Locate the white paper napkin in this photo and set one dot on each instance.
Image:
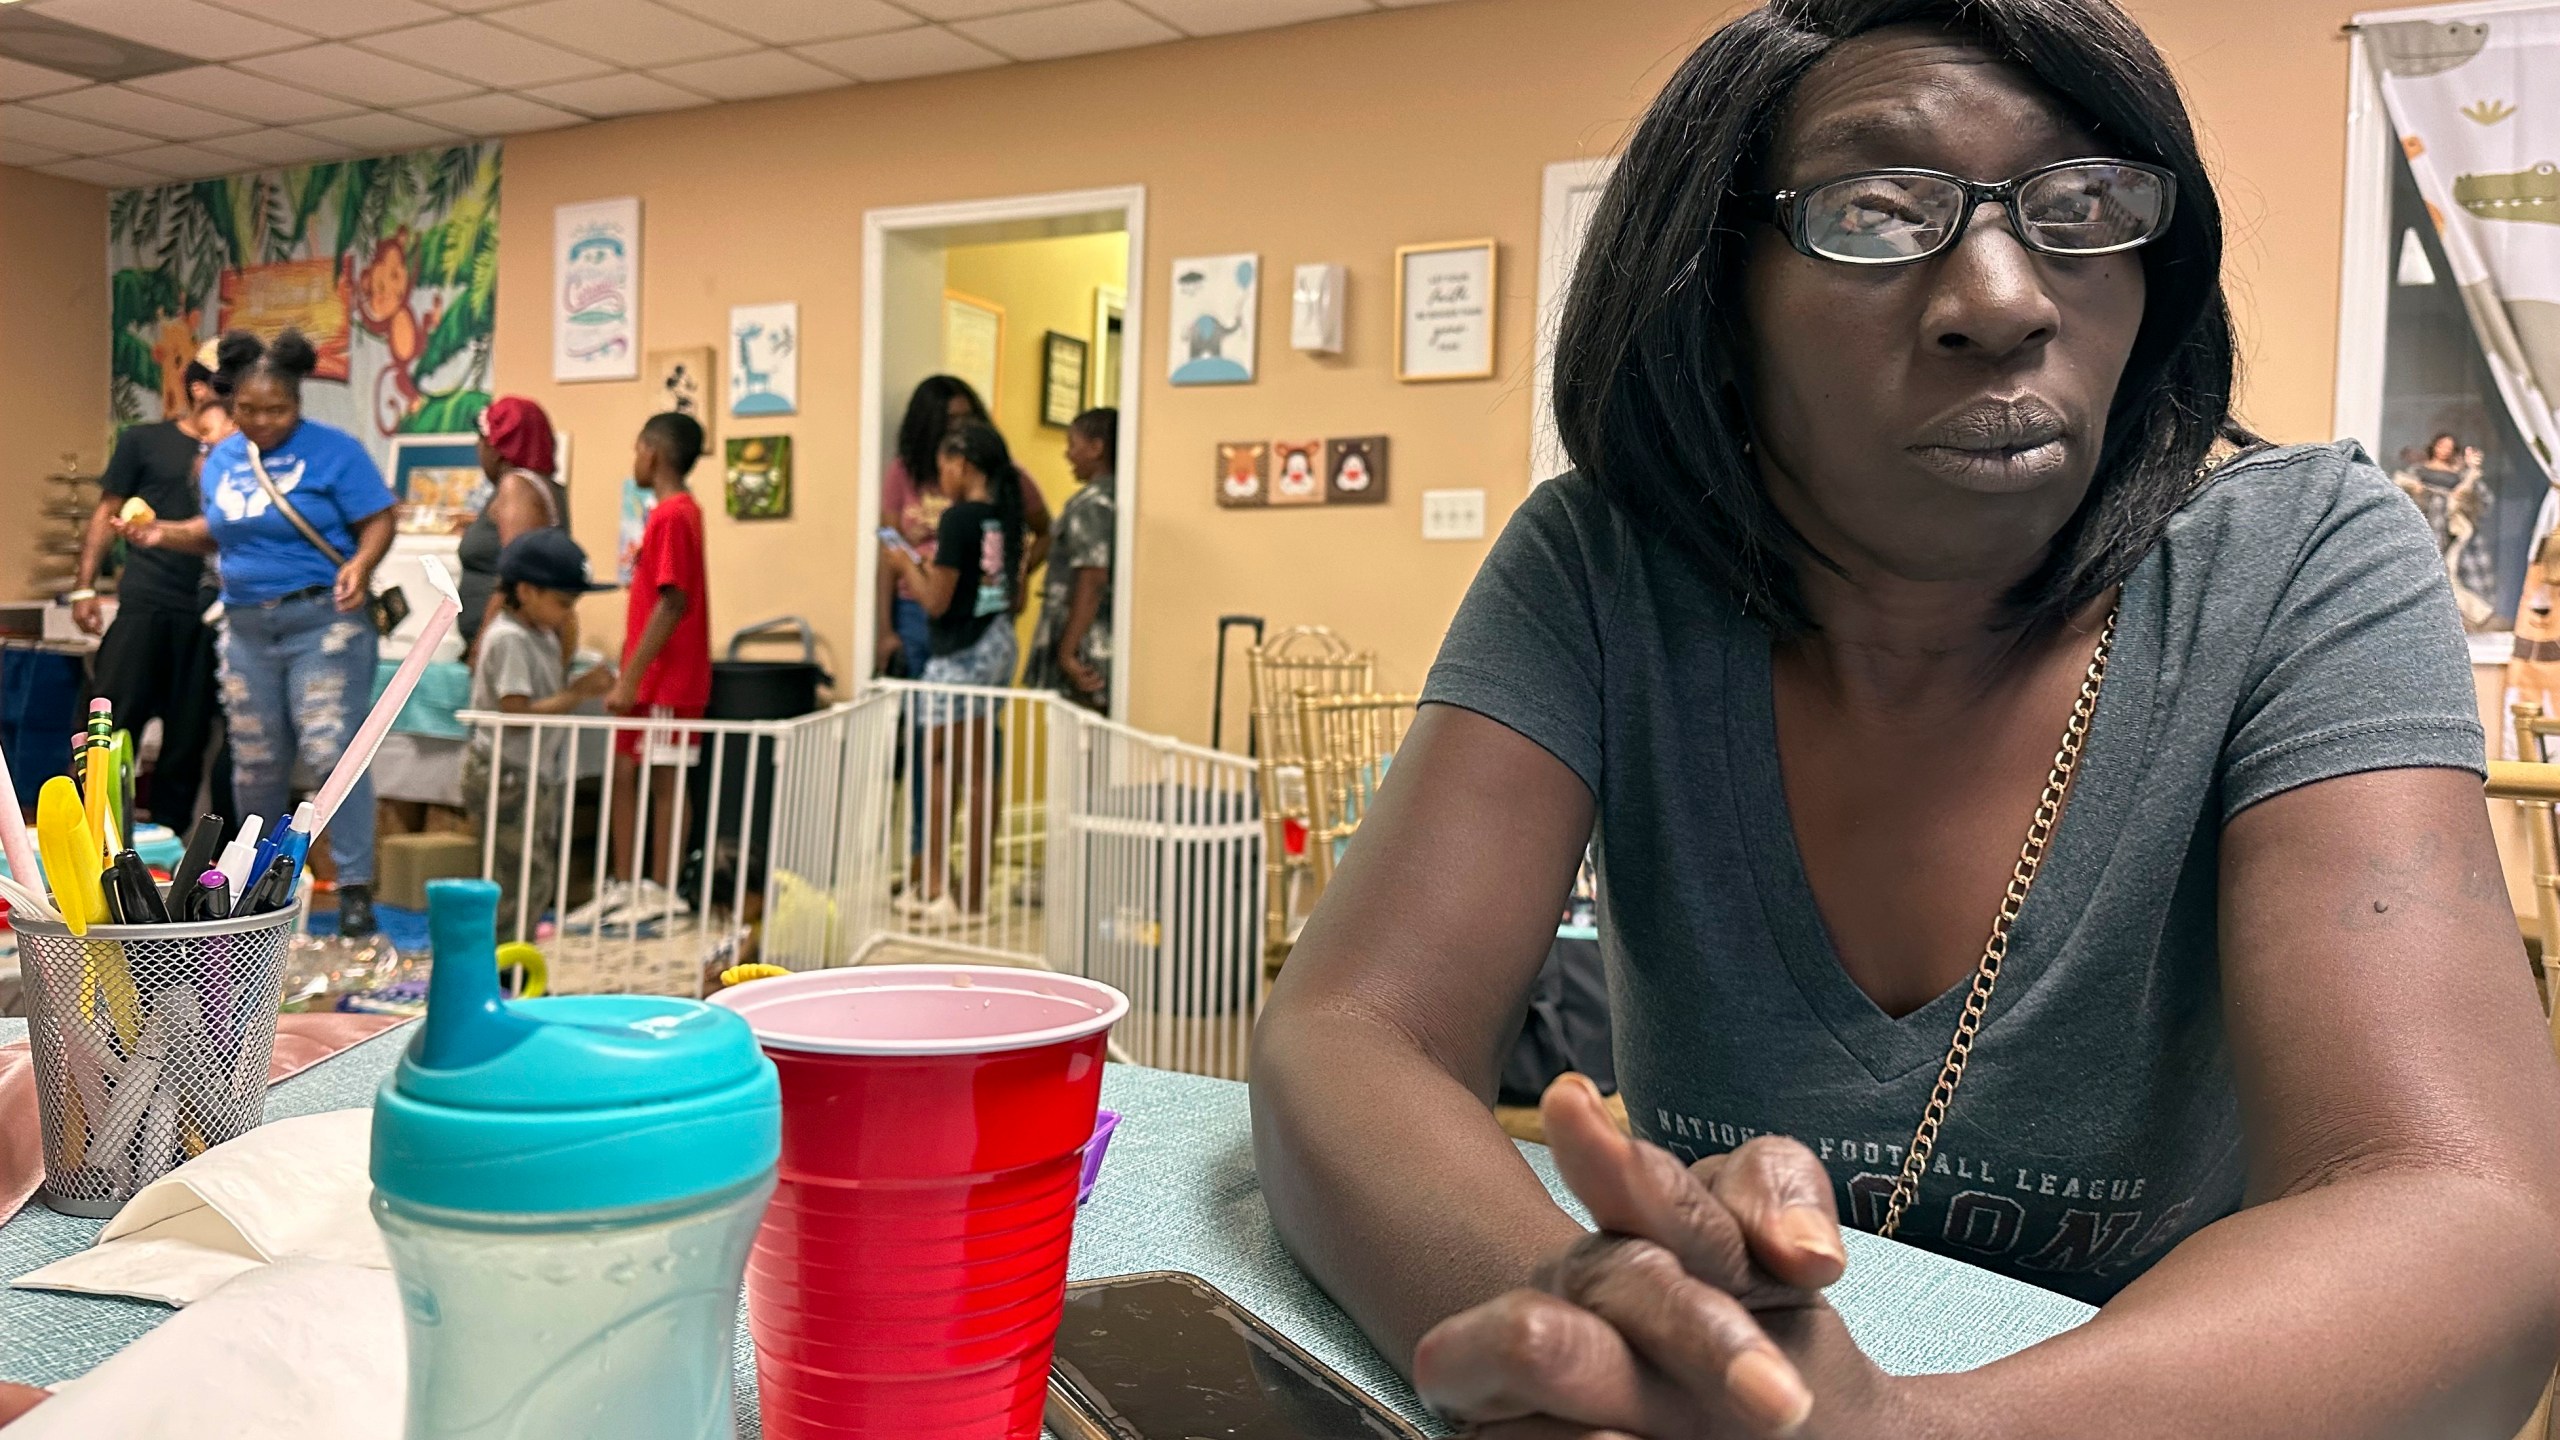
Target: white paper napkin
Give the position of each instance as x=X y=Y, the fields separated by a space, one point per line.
x=298 y=1189
x=300 y=1348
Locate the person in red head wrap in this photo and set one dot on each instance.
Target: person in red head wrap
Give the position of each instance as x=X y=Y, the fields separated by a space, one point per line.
x=518 y=454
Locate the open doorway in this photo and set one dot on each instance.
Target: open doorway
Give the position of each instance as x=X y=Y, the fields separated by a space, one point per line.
x=1029 y=299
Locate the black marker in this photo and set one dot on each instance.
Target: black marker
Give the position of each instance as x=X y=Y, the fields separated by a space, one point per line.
x=142 y=903
x=212 y=900
x=204 y=841
x=111 y=885
x=271 y=891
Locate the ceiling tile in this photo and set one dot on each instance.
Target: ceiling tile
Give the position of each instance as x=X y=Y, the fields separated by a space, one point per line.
x=495 y=115
x=104 y=172
x=278 y=147
x=133 y=110
x=1225 y=17
x=1079 y=29
x=969 y=9
x=237 y=92
x=353 y=74
x=28 y=156
x=375 y=132
x=497 y=58
x=18 y=80
x=183 y=162
x=187 y=27
x=631 y=32
x=338 y=19
x=793 y=22
x=749 y=76
x=903 y=54
x=621 y=94
x=71 y=137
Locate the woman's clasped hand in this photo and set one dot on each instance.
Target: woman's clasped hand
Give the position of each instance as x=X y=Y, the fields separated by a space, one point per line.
x=1695 y=1311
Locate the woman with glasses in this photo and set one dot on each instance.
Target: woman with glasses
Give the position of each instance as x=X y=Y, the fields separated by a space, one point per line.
x=2035 y=821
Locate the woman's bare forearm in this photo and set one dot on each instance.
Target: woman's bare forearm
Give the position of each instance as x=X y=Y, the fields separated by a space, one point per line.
x=1405 y=1212
x=1375 y=1066
x=2419 y=1303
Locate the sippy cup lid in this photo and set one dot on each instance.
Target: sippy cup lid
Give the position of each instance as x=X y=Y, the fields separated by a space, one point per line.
x=569 y=1103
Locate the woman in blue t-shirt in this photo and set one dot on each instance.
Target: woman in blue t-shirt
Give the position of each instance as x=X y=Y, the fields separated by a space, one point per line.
x=298 y=650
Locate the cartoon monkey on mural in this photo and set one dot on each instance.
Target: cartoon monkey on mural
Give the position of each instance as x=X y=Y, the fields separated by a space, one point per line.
x=378 y=299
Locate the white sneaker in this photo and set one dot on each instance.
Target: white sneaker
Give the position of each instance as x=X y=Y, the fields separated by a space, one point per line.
x=610 y=897
x=939 y=913
x=646 y=904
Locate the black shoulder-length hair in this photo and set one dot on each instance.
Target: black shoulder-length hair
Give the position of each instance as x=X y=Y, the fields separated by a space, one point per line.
x=928 y=419
x=1651 y=364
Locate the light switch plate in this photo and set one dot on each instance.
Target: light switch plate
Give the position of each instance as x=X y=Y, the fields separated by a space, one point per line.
x=1453 y=514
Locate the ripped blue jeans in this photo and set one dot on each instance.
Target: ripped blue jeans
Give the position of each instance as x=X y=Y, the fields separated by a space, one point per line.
x=297 y=679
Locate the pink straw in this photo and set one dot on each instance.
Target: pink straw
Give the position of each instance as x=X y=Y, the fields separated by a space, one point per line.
x=404 y=681
x=13 y=834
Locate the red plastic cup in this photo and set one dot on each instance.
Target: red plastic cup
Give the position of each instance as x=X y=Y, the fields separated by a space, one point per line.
x=909 y=1275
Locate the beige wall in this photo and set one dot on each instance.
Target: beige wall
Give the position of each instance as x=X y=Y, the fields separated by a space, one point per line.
x=53 y=352
x=1331 y=142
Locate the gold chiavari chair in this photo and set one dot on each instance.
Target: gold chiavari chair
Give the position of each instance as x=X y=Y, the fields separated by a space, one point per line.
x=2535 y=785
x=1295 y=661
x=1351 y=739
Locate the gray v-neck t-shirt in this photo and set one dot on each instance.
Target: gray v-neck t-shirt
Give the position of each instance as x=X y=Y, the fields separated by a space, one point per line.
x=2294 y=624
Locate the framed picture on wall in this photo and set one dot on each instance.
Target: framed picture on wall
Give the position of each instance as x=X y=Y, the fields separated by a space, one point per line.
x=1215 y=302
x=1444 y=311
x=973 y=342
x=439 y=482
x=1063 y=359
x=764 y=359
x=595 y=271
x=680 y=380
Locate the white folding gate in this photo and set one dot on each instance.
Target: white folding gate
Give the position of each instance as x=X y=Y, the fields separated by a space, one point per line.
x=918 y=821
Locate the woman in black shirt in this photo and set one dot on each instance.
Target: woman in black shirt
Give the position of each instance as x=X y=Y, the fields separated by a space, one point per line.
x=968 y=590
x=156 y=661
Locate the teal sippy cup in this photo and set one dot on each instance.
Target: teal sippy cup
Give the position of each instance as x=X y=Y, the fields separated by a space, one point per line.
x=568 y=1188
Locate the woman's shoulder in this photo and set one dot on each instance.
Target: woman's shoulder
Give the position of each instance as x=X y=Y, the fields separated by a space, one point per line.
x=2307 y=479
x=2277 y=502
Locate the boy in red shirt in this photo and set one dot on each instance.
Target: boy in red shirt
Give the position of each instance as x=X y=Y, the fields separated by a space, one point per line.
x=666 y=664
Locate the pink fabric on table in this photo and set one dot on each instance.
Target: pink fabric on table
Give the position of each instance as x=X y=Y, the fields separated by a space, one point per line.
x=302 y=1041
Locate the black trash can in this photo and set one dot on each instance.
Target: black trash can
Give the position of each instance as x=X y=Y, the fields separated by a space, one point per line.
x=747 y=690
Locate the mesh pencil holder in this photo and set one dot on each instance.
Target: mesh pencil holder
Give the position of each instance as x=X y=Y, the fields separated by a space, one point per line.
x=151 y=1045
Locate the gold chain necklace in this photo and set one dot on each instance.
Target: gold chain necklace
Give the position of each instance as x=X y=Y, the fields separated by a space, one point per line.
x=2066 y=762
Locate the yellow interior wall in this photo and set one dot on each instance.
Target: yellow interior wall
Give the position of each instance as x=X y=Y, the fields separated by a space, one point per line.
x=53 y=354
x=1042 y=285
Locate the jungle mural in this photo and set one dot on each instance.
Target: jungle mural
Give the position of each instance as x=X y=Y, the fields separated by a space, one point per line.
x=390 y=265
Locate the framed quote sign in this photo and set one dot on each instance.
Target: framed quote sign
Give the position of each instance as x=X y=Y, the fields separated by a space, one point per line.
x=1444 y=311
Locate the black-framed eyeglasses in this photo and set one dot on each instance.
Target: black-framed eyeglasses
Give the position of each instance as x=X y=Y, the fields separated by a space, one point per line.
x=1894 y=217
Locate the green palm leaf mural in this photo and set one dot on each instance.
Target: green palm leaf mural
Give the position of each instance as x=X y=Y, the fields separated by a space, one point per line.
x=390 y=263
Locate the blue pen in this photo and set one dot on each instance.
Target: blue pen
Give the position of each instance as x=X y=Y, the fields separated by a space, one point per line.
x=295 y=844
x=265 y=854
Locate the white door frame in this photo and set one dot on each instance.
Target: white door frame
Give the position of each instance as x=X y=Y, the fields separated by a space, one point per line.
x=877 y=225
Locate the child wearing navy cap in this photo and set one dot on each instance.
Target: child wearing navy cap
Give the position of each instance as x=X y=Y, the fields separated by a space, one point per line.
x=519 y=671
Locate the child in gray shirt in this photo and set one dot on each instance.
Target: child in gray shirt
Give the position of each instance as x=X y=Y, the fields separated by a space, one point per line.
x=520 y=671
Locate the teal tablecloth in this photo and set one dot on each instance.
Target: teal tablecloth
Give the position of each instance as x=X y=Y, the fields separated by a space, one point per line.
x=1177 y=1193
